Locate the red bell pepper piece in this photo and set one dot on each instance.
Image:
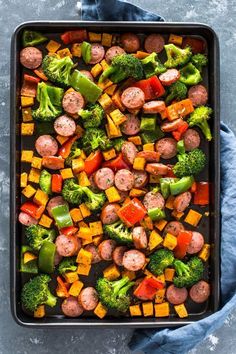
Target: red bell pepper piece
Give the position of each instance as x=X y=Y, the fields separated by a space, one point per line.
x=201 y=195
x=61 y=289
x=197 y=45
x=132 y=212
x=32 y=209
x=116 y=164
x=56 y=183
x=29 y=87
x=170 y=172
x=156 y=86
x=68 y=231
x=147 y=288
x=152 y=87
x=178 y=133
x=74 y=36
x=93 y=162
x=193 y=187
x=65 y=149
x=183 y=240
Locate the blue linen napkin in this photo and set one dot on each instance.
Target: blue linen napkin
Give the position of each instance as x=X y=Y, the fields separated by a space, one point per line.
x=183 y=339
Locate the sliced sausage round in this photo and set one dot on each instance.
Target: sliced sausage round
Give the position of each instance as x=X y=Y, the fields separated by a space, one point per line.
x=87 y=74
x=88 y=298
x=153 y=107
x=106 y=249
x=94 y=251
x=104 y=178
x=150 y=156
x=133 y=98
x=118 y=255
x=171 y=126
x=133 y=260
x=196 y=243
x=31 y=57
x=129 y=152
x=71 y=307
x=109 y=214
x=131 y=126
x=140 y=178
x=130 y=42
x=72 y=102
x=26 y=219
x=113 y=52
x=173 y=228
x=182 y=201
x=124 y=180
x=157 y=169
x=198 y=95
x=139 y=237
x=153 y=200
x=65 y=126
x=97 y=53
x=67 y=245
x=200 y=292
x=53 y=162
x=167 y=148
x=169 y=77
x=191 y=139
x=46 y=145
x=57 y=258
x=176 y=296
x=154 y=43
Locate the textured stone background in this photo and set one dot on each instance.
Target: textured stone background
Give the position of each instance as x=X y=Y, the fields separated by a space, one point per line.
x=221 y=15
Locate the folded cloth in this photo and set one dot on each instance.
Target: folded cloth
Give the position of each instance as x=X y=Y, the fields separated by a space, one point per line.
x=181 y=340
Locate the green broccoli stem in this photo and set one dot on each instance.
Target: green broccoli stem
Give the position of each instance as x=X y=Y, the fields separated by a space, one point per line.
x=51 y=299
x=206 y=129
x=117 y=285
x=108 y=72
x=181 y=268
x=125 y=289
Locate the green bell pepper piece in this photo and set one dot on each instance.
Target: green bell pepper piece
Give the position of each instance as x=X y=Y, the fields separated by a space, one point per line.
x=152 y=136
x=180 y=147
x=86 y=51
x=62 y=216
x=156 y=214
x=32 y=38
x=165 y=185
x=46 y=257
x=85 y=86
x=45 y=181
x=182 y=185
x=29 y=267
x=148 y=123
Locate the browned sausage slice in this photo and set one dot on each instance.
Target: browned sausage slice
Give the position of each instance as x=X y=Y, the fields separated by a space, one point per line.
x=140 y=178
x=129 y=152
x=106 y=249
x=130 y=42
x=196 y=243
x=176 y=296
x=87 y=74
x=118 y=254
x=65 y=126
x=67 y=245
x=26 y=219
x=150 y=156
x=94 y=251
x=154 y=43
x=153 y=107
x=55 y=201
x=88 y=298
x=113 y=52
x=109 y=214
x=133 y=98
x=173 y=227
x=200 y=292
x=198 y=95
x=31 y=57
x=72 y=102
x=124 y=180
x=104 y=178
x=167 y=147
x=133 y=260
x=131 y=126
x=153 y=200
x=191 y=139
x=169 y=77
x=71 y=307
x=46 y=145
x=53 y=162
x=139 y=237
x=182 y=201
x=97 y=53
x=157 y=169
x=171 y=126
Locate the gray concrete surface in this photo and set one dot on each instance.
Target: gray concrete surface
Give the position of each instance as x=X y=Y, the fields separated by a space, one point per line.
x=221 y=15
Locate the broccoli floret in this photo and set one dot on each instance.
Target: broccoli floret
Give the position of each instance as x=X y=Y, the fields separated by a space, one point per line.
x=68 y=264
x=122 y=67
x=119 y=232
x=117 y=143
x=190 y=164
x=95 y=138
x=75 y=152
x=113 y=294
x=36 y=292
x=57 y=69
x=190 y=75
x=152 y=65
x=176 y=56
x=160 y=260
x=36 y=235
x=199 y=60
x=188 y=274
x=93 y=201
x=48 y=110
x=72 y=192
x=92 y=116
x=177 y=91
x=199 y=118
